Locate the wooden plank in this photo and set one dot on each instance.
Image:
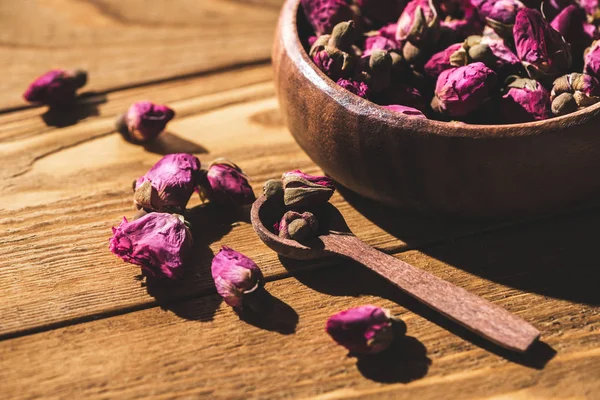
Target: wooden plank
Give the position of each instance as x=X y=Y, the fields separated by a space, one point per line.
x=126 y=43
x=65 y=187
x=201 y=348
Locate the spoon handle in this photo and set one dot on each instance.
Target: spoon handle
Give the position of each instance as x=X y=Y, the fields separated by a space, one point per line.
x=476 y=314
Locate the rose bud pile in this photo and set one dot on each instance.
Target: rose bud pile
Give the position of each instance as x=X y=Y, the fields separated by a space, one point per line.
x=459 y=59
x=161 y=241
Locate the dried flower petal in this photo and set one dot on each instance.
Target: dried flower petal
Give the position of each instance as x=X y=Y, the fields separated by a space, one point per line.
x=460 y=91
x=525 y=100
x=169 y=184
x=158 y=242
x=323 y=15
x=363 y=330
x=302 y=190
x=235 y=276
x=541 y=49
x=226 y=184
x=56 y=87
x=409 y=111
x=144 y=121
x=299 y=227
x=358 y=88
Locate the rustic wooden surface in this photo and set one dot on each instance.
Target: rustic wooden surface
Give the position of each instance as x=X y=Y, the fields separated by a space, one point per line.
x=74 y=320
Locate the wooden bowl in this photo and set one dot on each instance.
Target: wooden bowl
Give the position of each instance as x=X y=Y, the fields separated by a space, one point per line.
x=436 y=167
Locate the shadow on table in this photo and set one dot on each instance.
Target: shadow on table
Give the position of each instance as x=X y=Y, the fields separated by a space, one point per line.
x=349 y=278
x=267 y=312
x=86 y=105
x=172 y=294
x=168 y=142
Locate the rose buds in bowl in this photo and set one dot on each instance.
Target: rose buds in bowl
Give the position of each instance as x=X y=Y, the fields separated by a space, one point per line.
x=224 y=183
x=169 y=184
x=158 y=242
x=235 y=276
x=56 y=88
x=362 y=330
x=144 y=121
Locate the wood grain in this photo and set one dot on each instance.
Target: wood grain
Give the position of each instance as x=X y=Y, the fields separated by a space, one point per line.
x=123 y=44
x=201 y=348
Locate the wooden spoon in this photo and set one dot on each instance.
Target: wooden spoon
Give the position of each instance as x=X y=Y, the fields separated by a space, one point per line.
x=474 y=313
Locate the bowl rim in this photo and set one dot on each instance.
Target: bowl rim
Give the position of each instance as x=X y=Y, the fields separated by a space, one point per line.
x=290 y=39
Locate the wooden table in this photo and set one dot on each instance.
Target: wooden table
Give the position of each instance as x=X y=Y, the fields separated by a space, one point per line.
x=76 y=323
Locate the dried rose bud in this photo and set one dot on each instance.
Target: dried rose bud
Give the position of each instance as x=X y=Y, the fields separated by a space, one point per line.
x=525 y=100
x=302 y=190
x=323 y=15
x=419 y=24
x=460 y=91
x=380 y=12
x=158 y=242
x=144 y=121
x=571 y=23
x=409 y=111
x=473 y=49
x=440 y=61
x=343 y=36
x=235 y=276
x=379 y=42
x=226 y=184
x=542 y=50
x=333 y=62
x=585 y=90
x=462 y=20
x=299 y=227
x=56 y=87
x=507 y=63
x=362 y=330
x=592 y=60
x=169 y=184
x=376 y=70
x=358 y=88
x=564 y=104
x=499 y=14
x=273 y=188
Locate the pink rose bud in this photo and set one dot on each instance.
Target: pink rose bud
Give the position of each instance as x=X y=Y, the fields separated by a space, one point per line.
x=301 y=190
x=144 y=121
x=379 y=43
x=380 y=12
x=362 y=330
x=592 y=60
x=541 y=49
x=358 y=88
x=226 y=184
x=323 y=15
x=235 y=276
x=299 y=227
x=507 y=62
x=409 y=111
x=418 y=23
x=440 y=62
x=158 y=242
x=526 y=100
x=460 y=91
x=56 y=87
x=499 y=14
x=169 y=184
x=571 y=23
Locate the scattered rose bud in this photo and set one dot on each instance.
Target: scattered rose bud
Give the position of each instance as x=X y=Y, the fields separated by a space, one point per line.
x=56 y=87
x=169 y=184
x=460 y=91
x=380 y=12
x=158 y=242
x=592 y=60
x=542 y=50
x=323 y=15
x=525 y=100
x=499 y=14
x=302 y=190
x=362 y=330
x=358 y=88
x=440 y=61
x=144 y=121
x=235 y=276
x=584 y=89
x=409 y=111
x=226 y=184
x=298 y=227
